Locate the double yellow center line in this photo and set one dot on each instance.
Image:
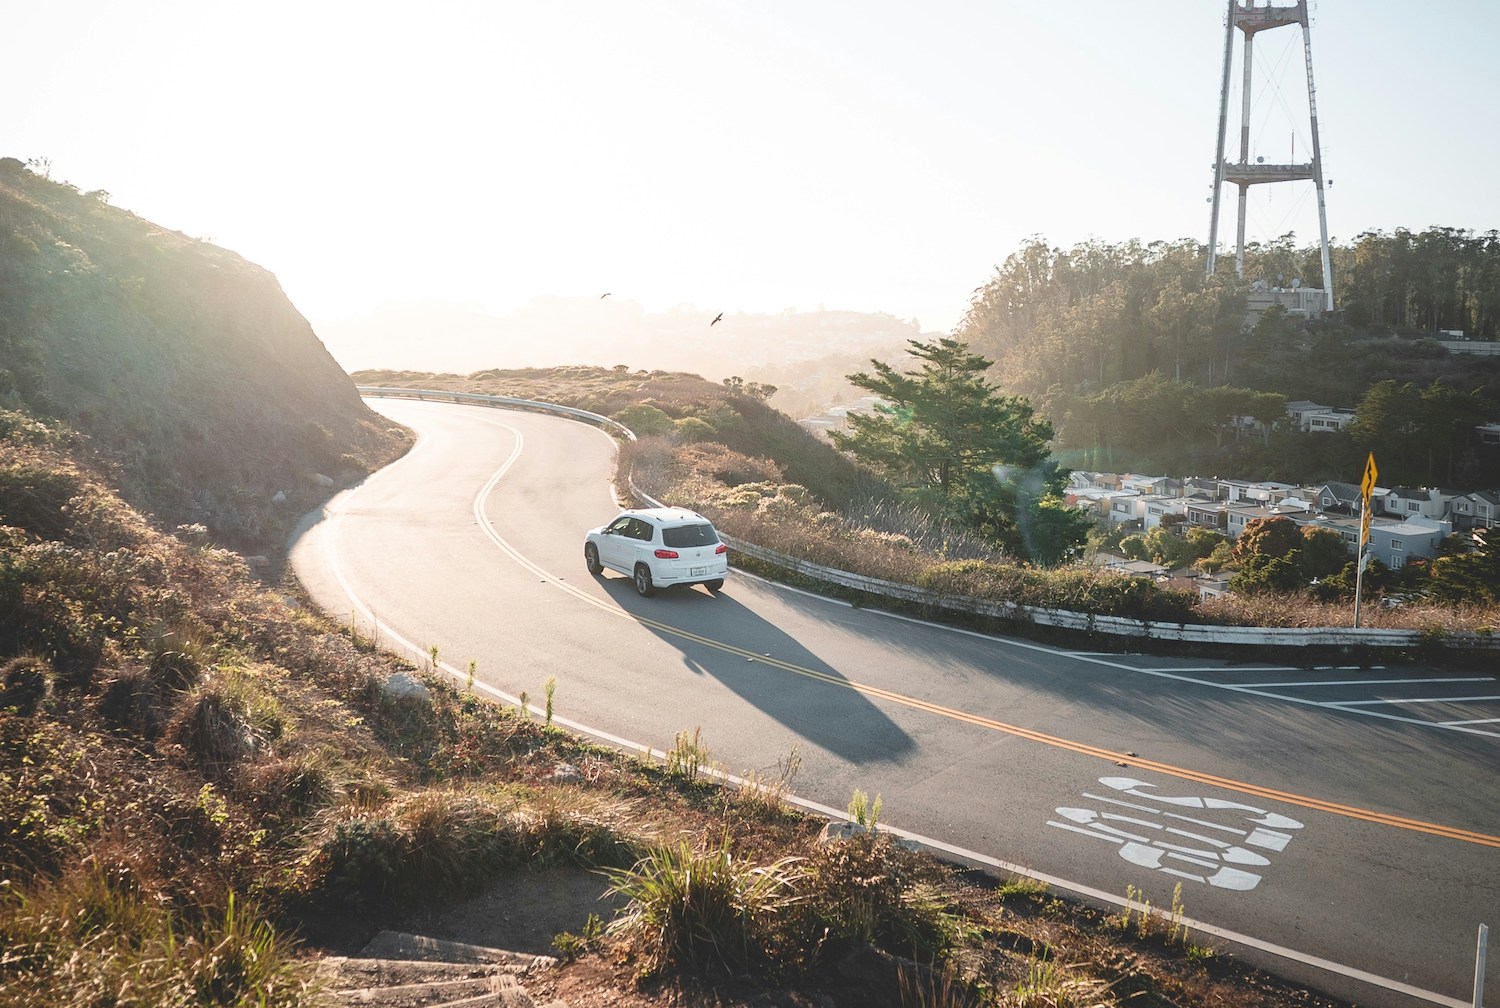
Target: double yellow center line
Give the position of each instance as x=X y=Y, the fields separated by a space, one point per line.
x=980 y=721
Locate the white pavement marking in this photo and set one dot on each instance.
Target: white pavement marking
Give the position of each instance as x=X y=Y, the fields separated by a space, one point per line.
x=1237 y=669
x=1449 y=699
x=1363 y=682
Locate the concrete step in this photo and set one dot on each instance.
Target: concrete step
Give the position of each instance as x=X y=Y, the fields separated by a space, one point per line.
x=499 y=991
x=395 y=945
x=410 y=971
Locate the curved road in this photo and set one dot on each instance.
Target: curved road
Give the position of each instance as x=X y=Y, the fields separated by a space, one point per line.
x=1339 y=826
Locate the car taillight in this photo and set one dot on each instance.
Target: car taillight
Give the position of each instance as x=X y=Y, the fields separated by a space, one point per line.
x=666 y=554
x=721 y=550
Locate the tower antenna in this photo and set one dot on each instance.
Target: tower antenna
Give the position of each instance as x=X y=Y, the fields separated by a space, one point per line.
x=1250 y=19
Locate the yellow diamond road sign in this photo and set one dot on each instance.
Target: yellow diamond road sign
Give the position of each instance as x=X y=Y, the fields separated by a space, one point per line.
x=1369 y=482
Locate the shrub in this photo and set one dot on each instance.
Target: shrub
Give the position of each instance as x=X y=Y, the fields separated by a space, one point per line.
x=95 y=939
x=729 y=467
x=359 y=857
x=211 y=727
x=694 y=908
x=131 y=701
x=645 y=420
x=25 y=683
x=289 y=788
x=691 y=429
x=869 y=889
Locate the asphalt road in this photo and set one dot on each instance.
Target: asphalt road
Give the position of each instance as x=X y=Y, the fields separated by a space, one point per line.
x=1340 y=826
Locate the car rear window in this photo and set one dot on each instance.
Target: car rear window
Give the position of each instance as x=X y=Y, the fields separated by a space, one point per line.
x=689 y=535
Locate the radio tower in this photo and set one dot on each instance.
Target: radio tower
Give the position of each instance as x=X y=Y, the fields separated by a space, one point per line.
x=1250 y=20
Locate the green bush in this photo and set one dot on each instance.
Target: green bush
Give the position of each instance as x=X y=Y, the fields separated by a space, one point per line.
x=694 y=908
x=645 y=420
x=869 y=889
x=1079 y=589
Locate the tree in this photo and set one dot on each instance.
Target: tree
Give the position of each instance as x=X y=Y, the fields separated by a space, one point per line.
x=1274 y=537
x=1205 y=540
x=1468 y=577
x=943 y=432
x=1261 y=572
x=1323 y=552
x=935 y=427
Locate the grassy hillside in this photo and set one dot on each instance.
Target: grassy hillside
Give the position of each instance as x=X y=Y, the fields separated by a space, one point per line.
x=196 y=379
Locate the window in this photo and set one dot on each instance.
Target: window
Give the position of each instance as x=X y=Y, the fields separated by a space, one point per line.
x=1413 y=506
x=1397 y=562
x=683 y=536
x=1461 y=506
x=1396 y=546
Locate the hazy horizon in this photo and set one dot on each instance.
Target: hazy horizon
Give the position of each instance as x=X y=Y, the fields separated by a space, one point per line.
x=603 y=332
x=743 y=158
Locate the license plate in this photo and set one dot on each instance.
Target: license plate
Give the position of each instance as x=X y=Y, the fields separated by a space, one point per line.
x=698 y=572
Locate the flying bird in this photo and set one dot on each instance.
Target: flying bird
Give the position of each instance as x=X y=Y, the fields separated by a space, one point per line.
x=604 y=295
x=717 y=318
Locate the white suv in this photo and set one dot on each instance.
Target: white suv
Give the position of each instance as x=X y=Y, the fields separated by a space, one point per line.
x=658 y=548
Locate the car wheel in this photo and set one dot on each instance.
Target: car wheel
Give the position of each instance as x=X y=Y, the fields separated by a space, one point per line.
x=643 y=584
x=714 y=585
x=591 y=559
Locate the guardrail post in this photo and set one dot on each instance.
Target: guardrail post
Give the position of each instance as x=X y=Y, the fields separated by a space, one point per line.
x=1484 y=934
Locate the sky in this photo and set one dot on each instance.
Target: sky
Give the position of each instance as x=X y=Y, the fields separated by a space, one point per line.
x=729 y=155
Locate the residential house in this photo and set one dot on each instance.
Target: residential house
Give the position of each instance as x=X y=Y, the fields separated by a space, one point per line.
x=1150 y=484
x=1395 y=544
x=1096 y=502
x=1213 y=585
x=1489 y=434
x=1424 y=502
x=1301 y=409
x=1155 y=507
x=1239 y=514
x=1342 y=498
x=1125 y=507
x=1480 y=509
x=1206 y=513
x=1201 y=486
x=1124 y=565
x=1329 y=420
x=1259 y=493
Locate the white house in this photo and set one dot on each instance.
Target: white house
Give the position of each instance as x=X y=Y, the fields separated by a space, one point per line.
x=1125 y=506
x=1301 y=409
x=1328 y=420
x=1480 y=509
x=1155 y=507
x=1394 y=545
x=1423 y=502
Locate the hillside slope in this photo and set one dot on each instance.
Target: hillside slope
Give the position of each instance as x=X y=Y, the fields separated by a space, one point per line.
x=187 y=366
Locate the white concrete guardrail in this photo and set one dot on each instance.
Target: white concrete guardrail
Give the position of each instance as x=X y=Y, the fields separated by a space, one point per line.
x=1193 y=633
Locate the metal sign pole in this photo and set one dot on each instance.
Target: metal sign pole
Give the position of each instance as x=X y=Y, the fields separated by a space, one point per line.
x=1484 y=934
x=1359 y=573
x=1360 y=559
